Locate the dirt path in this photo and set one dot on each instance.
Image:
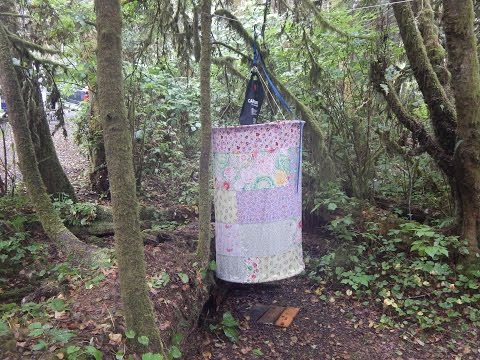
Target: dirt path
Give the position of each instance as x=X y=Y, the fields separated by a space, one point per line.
x=73 y=160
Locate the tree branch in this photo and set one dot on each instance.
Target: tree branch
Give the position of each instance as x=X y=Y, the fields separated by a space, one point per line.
x=311 y=8
x=442 y=111
x=24 y=44
x=227 y=63
x=14 y=15
x=231 y=48
x=442 y=158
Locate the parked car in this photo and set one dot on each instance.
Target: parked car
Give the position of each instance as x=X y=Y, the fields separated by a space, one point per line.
x=78 y=96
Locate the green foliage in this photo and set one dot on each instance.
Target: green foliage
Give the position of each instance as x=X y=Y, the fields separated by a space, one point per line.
x=143 y=340
x=75 y=214
x=48 y=335
x=257 y=352
x=17 y=251
x=74 y=352
x=166 y=129
x=229 y=327
x=183 y=277
x=160 y=280
x=409 y=272
x=94 y=281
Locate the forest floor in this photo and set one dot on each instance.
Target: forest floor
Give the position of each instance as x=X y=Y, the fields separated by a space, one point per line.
x=339 y=328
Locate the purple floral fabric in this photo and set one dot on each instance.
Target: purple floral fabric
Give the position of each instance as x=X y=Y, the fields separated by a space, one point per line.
x=268 y=205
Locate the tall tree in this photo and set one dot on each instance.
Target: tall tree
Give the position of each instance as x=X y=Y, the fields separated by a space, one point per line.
x=51 y=171
x=138 y=308
x=459 y=18
x=51 y=222
x=205 y=202
x=455 y=141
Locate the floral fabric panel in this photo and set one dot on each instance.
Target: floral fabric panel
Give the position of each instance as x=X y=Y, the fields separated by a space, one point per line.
x=256 y=170
x=260 y=269
x=225 y=206
x=260 y=137
x=268 y=205
x=259 y=239
x=258 y=201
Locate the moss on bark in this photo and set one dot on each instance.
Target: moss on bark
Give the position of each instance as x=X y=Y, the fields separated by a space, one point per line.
x=138 y=309
x=52 y=173
x=442 y=110
x=464 y=66
x=51 y=223
x=204 y=201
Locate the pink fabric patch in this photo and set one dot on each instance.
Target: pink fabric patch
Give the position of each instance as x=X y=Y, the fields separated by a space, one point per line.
x=259 y=137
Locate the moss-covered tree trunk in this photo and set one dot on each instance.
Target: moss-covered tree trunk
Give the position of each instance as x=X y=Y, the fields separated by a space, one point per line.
x=53 y=176
x=51 y=171
x=204 y=201
x=455 y=142
x=463 y=63
x=138 y=308
x=51 y=222
x=98 y=161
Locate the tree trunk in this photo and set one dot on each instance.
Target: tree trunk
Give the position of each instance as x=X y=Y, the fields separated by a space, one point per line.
x=51 y=222
x=138 y=309
x=463 y=63
x=96 y=149
x=204 y=201
x=52 y=173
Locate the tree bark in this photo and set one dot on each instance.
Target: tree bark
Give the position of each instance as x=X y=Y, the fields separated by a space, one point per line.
x=53 y=176
x=456 y=144
x=51 y=171
x=463 y=63
x=138 y=308
x=204 y=201
x=442 y=111
x=98 y=163
x=51 y=222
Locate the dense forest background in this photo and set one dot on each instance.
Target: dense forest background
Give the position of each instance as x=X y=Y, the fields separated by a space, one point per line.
x=390 y=94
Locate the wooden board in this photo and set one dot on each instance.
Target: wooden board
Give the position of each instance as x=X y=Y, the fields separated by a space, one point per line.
x=271 y=315
x=287 y=316
x=257 y=311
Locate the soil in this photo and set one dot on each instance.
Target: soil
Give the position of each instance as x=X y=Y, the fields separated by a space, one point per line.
x=335 y=329
x=339 y=328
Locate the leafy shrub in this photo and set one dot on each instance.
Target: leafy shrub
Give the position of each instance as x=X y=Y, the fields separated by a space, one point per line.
x=76 y=214
x=410 y=271
x=15 y=245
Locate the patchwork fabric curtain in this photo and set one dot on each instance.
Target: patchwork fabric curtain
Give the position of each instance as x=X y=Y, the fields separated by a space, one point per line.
x=258 y=201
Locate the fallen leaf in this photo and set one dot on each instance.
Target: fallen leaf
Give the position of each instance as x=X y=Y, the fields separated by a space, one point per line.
x=207 y=355
x=245 y=350
x=61 y=315
x=115 y=338
x=419 y=342
x=165 y=325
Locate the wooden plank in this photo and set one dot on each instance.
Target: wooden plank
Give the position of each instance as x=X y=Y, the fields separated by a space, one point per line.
x=257 y=311
x=271 y=315
x=287 y=316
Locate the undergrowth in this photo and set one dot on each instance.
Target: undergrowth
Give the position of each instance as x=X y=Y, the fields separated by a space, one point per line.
x=412 y=271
